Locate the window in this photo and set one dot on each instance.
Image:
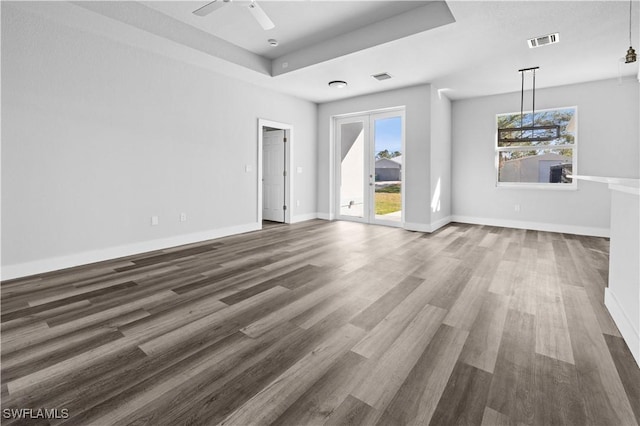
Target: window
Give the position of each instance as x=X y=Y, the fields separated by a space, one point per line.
x=538 y=153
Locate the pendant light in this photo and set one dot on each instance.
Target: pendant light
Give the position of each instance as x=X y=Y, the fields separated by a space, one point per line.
x=631 y=54
x=531 y=133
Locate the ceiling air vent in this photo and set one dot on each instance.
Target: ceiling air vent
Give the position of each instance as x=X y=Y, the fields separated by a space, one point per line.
x=381 y=76
x=543 y=40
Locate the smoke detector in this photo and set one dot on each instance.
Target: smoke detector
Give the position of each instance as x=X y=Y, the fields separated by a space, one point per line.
x=544 y=40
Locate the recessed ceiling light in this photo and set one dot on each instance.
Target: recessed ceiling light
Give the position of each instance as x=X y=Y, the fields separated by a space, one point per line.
x=272 y=42
x=338 y=84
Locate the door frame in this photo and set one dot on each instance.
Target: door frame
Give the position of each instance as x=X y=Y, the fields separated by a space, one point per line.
x=288 y=182
x=335 y=152
x=374 y=115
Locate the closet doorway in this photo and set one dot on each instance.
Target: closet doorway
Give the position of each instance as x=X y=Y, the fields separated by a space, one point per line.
x=275 y=185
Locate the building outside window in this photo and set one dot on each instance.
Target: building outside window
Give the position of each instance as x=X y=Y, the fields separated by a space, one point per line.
x=539 y=153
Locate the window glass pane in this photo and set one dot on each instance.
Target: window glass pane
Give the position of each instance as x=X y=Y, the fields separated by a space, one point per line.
x=535 y=166
x=564 y=118
x=388 y=168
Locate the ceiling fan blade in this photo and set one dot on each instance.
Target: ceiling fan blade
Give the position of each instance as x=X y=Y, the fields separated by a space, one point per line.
x=209 y=7
x=260 y=16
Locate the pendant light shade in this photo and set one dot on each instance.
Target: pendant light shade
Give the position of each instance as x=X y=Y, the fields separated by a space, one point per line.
x=630 y=57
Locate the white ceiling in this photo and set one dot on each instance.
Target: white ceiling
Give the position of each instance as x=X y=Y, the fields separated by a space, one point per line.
x=298 y=23
x=478 y=54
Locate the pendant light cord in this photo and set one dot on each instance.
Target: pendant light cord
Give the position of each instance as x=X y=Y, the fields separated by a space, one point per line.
x=533 y=118
x=521 y=102
x=630 y=15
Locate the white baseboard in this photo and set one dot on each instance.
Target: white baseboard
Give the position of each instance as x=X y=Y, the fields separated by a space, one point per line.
x=427 y=227
x=325 y=216
x=53 y=264
x=625 y=325
x=534 y=226
x=304 y=217
x=418 y=227
x=440 y=223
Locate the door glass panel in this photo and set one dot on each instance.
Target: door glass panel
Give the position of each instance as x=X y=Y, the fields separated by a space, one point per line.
x=388 y=169
x=352 y=169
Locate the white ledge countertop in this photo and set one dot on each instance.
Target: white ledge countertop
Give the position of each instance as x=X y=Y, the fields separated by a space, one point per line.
x=629 y=185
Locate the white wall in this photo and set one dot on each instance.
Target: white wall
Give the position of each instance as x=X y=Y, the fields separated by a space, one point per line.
x=416 y=101
x=608 y=116
x=98 y=136
x=440 y=158
x=622 y=295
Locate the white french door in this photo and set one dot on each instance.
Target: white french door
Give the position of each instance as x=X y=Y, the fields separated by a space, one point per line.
x=369 y=172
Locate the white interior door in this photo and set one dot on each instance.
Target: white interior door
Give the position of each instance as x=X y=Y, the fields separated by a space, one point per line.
x=273 y=175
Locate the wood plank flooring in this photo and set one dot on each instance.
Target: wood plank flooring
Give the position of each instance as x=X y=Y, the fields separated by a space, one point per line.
x=325 y=323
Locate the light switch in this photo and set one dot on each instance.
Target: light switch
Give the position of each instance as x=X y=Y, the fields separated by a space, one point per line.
x=247 y=168
x=299 y=169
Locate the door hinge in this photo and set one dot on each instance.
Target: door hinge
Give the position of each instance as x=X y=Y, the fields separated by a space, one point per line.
x=284 y=207
x=284 y=173
x=284 y=139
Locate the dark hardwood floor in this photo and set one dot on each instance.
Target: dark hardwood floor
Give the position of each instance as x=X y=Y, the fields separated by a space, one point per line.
x=325 y=323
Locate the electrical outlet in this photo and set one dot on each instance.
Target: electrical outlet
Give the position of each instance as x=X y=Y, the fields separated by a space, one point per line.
x=516 y=208
x=183 y=217
x=297 y=203
x=154 y=220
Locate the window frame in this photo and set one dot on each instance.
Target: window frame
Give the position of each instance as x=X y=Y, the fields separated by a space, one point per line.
x=538 y=185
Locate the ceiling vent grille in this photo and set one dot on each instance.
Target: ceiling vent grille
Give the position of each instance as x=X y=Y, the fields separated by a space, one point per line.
x=381 y=76
x=544 y=40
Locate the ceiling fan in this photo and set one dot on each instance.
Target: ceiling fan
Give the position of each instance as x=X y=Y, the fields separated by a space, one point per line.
x=253 y=6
